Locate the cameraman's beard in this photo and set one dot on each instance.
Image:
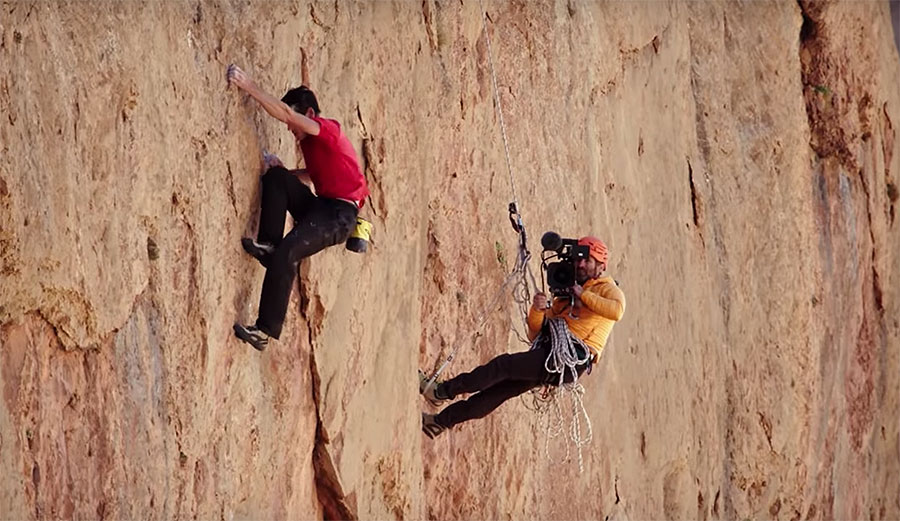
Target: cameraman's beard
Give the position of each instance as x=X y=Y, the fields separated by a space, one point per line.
x=582 y=276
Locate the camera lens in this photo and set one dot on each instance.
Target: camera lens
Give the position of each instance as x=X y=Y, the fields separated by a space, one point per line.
x=561 y=275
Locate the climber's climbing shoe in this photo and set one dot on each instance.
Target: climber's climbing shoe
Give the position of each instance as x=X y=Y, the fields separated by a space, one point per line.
x=252 y=335
x=259 y=250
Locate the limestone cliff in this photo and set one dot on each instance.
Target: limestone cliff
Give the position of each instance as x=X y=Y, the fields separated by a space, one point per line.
x=740 y=159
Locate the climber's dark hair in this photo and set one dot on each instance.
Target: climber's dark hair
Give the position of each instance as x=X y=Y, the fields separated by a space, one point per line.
x=301 y=99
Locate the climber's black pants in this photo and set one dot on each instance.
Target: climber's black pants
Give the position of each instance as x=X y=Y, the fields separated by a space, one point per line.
x=504 y=377
x=318 y=224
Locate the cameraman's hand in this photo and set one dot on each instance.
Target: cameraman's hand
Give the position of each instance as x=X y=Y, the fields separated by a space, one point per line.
x=540 y=302
x=577 y=290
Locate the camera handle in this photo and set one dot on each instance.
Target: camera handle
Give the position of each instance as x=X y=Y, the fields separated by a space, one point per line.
x=545 y=257
x=572 y=307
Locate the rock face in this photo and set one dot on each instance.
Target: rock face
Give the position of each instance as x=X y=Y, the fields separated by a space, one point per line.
x=741 y=160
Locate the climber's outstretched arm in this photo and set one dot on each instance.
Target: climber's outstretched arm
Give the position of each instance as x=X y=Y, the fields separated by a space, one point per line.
x=275 y=107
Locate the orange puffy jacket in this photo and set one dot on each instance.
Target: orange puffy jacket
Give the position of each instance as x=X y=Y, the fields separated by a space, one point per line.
x=602 y=304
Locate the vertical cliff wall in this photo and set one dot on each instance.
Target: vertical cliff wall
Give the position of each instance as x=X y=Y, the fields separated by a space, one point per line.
x=740 y=160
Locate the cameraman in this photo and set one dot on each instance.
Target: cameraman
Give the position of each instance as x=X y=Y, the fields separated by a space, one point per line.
x=598 y=305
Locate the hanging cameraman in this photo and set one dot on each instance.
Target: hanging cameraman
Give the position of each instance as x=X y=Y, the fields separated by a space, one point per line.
x=589 y=303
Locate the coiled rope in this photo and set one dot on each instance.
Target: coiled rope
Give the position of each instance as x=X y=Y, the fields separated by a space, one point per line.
x=566 y=353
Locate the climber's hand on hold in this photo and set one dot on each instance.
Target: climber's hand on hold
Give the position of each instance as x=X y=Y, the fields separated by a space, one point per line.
x=237 y=77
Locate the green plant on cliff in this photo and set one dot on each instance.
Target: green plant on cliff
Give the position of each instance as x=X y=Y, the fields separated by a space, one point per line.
x=501 y=255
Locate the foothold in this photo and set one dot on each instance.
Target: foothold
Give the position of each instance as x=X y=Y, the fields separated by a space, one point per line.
x=892 y=192
x=775 y=508
x=152 y=249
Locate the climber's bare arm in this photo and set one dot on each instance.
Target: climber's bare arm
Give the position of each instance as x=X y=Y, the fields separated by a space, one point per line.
x=279 y=110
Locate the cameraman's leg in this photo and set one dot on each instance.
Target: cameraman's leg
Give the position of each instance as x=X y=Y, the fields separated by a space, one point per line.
x=282 y=191
x=527 y=366
x=481 y=404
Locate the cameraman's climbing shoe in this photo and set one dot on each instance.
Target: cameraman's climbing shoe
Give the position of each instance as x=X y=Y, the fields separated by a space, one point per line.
x=430 y=426
x=259 y=250
x=433 y=394
x=252 y=335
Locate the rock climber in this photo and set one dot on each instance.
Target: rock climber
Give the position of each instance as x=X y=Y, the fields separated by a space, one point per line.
x=595 y=305
x=321 y=220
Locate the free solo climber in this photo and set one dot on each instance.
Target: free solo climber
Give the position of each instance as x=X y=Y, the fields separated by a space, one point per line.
x=321 y=219
x=590 y=308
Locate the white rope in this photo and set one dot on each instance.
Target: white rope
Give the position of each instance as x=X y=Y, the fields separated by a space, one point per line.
x=566 y=353
x=564 y=350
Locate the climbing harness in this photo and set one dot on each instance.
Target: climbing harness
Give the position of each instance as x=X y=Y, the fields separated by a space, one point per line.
x=566 y=353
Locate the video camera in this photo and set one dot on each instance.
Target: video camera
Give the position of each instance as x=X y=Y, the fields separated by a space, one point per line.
x=561 y=274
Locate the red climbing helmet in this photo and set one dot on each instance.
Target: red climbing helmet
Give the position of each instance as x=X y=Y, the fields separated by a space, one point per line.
x=598 y=250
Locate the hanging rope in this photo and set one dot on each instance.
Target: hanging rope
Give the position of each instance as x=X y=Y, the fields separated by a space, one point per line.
x=566 y=353
x=515 y=214
x=490 y=53
x=520 y=280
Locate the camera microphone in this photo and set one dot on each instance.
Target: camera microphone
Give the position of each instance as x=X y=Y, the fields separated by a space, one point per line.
x=551 y=241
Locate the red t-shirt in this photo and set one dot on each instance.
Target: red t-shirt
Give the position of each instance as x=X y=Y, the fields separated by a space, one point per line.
x=332 y=164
